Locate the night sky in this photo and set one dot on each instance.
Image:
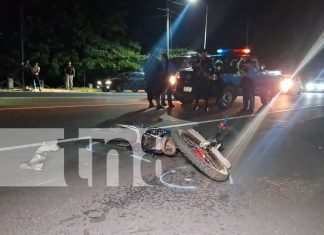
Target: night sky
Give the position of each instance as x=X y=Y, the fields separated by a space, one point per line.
x=280 y=31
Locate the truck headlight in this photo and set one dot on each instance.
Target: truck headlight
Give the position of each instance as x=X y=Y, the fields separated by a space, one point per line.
x=108 y=82
x=173 y=80
x=286 y=85
x=99 y=83
x=310 y=86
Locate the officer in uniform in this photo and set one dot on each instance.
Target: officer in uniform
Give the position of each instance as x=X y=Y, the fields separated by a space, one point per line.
x=154 y=81
x=203 y=75
x=165 y=74
x=248 y=86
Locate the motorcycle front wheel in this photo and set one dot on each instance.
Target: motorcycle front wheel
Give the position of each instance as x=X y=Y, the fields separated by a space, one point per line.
x=204 y=160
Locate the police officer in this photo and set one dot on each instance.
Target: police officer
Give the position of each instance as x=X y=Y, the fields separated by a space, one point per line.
x=248 y=85
x=207 y=71
x=218 y=83
x=153 y=77
x=165 y=74
x=196 y=77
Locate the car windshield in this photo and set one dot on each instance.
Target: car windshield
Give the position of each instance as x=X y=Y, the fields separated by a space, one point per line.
x=179 y=63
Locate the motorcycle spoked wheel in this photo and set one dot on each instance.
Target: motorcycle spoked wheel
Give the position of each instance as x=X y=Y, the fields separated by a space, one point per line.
x=204 y=160
x=213 y=150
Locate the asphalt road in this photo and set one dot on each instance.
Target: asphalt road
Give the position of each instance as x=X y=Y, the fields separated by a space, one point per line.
x=276 y=184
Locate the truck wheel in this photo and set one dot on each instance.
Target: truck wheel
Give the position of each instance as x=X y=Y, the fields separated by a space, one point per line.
x=265 y=99
x=228 y=98
x=186 y=99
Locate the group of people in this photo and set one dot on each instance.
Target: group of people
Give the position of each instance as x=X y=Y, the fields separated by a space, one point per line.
x=31 y=76
x=156 y=78
x=206 y=79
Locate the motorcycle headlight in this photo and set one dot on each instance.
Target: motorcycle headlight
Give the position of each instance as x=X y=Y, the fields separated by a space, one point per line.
x=172 y=80
x=286 y=85
x=108 y=82
x=99 y=82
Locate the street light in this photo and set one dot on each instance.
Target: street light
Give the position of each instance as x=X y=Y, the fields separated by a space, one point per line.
x=168 y=21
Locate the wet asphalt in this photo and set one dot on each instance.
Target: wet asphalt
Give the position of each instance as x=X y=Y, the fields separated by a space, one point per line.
x=276 y=183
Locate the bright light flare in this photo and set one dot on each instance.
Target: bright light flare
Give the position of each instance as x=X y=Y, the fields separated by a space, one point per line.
x=192 y=1
x=173 y=80
x=286 y=85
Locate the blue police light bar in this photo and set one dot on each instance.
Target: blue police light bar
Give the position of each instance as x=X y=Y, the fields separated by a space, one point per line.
x=221 y=51
x=245 y=51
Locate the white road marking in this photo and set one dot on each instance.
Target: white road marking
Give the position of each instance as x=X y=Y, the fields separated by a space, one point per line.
x=71 y=106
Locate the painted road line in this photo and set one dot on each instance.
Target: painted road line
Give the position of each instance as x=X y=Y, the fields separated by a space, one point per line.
x=71 y=106
x=239 y=117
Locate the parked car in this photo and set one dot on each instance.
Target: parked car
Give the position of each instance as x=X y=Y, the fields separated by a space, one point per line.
x=133 y=81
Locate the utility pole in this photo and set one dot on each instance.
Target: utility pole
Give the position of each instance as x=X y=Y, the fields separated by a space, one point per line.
x=22 y=43
x=168 y=29
x=206 y=27
x=247 y=33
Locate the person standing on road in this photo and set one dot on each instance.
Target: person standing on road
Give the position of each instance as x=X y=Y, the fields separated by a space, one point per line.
x=196 y=81
x=165 y=74
x=35 y=76
x=248 y=85
x=206 y=70
x=69 y=75
x=153 y=80
x=28 y=75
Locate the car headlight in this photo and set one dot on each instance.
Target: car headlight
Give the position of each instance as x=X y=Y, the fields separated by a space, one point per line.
x=321 y=87
x=108 y=82
x=286 y=85
x=99 y=82
x=310 y=86
x=173 y=80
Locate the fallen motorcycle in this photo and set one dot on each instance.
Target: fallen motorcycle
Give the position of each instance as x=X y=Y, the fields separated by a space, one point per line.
x=202 y=153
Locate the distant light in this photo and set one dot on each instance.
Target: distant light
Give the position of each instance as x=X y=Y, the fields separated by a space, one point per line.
x=321 y=87
x=220 y=51
x=310 y=86
x=192 y=1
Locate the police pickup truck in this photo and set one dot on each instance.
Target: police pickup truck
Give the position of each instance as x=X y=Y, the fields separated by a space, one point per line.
x=229 y=70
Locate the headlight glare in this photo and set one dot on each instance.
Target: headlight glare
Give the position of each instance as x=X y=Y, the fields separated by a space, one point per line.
x=172 y=80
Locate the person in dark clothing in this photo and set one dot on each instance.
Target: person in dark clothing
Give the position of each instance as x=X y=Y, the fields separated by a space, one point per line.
x=218 y=83
x=196 y=81
x=248 y=86
x=35 y=76
x=166 y=88
x=204 y=70
x=69 y=75
x=28 y=75
x=154 y=82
